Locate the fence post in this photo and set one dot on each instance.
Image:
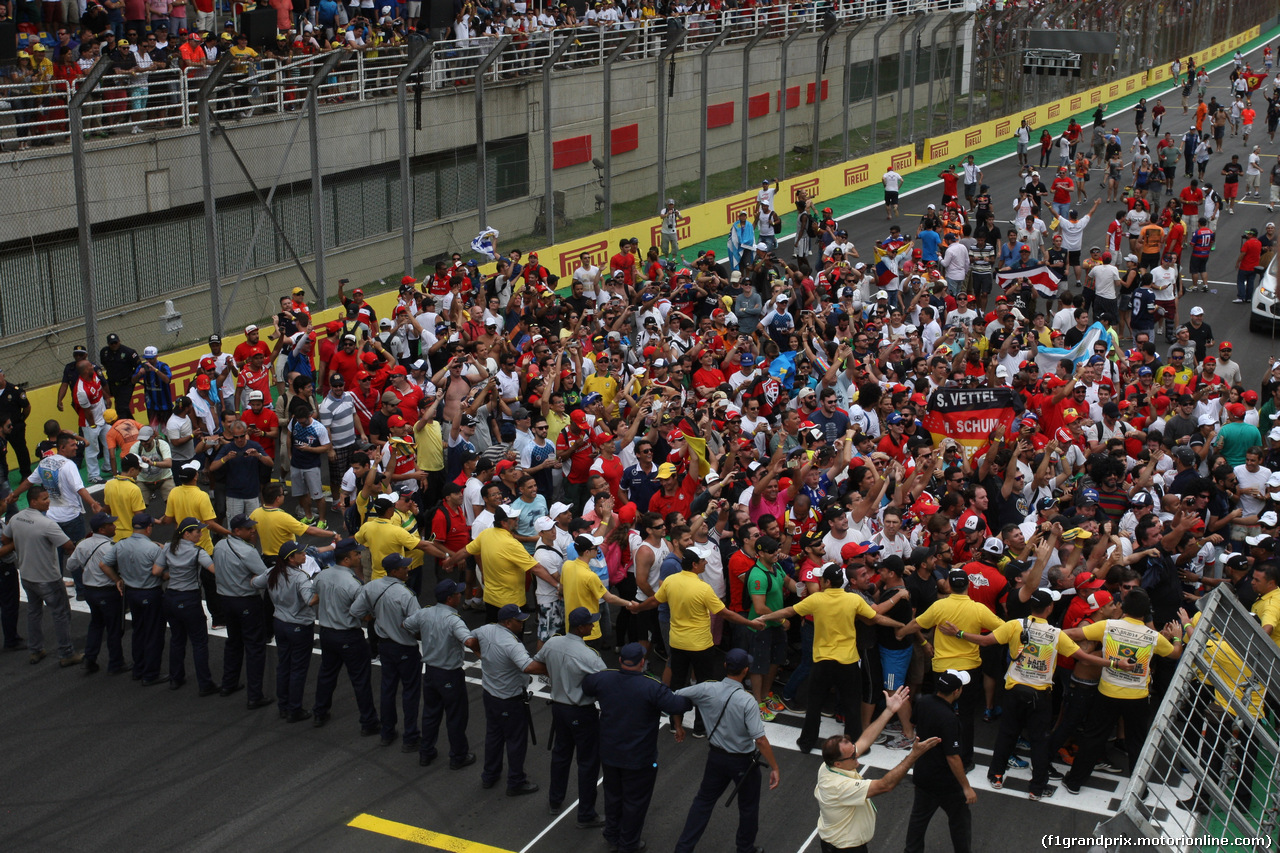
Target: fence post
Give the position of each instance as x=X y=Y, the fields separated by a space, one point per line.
x=549 y=195
x=830 y=23
x=321 y=285
x=482 y=165
x=75 y=124
x=957 y=73
x=875 y=84
x=702 y=115
x=782 y=104
x=422 y=54
x=204 y=109
x=746 y=97
x=676 y=34
x=845 y=95
x=908 y=31
x=933 y=72
x=613 y=57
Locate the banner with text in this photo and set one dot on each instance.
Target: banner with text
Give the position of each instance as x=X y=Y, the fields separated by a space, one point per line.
x=968 y=415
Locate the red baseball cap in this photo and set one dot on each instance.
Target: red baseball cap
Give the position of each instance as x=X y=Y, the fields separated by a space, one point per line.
x=396 y=421
x=579 y=419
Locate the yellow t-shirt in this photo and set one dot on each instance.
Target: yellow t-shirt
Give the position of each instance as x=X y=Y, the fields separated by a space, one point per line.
x=1033 y=664
x=430 y=444
x=123 y=497
x=1130 y=640
x=503 y=564
x=275 y=527
x=604 y=385
x=555 y=424
x=1267 y=609
x=967 y=615
x=410 y=524
x=835 y=614
x=692 y=602
x=581 y=587
x=383 y=537
x=190 y=502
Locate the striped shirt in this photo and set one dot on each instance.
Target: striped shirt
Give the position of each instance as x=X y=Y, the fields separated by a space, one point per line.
x=339 y=417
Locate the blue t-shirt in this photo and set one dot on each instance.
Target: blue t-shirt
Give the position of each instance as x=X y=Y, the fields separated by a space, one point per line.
x=1144 y=300
x=930 y=240
x=242 y=472
x=835 y=426
x=310 y=435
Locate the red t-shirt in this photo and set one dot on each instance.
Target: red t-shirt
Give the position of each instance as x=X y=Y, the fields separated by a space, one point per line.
x=1191 y=200
x=580 y=461
x=1062 y=188
x=347 y=364
x=950 y=182
x=454 y=532
x=1252 y=249
x=611 y=470
x=244 y=350
x=681 y=501
x=626 y=262
x=708 y=378
x=739 y=565
x=265 y=421
x=986 y=584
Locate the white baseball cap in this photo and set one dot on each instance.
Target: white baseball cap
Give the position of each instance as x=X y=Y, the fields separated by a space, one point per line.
x=1197 y=311
x=150 y=352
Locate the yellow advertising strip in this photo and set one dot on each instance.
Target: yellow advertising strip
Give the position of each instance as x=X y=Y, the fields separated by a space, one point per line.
x=425 y=837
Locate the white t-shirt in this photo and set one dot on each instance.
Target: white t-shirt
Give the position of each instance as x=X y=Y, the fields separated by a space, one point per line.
x=61 y=477
x=1252 y=504
x=892 y=180
x=1163 y=282
x=1104 y=278
x=1073 y=233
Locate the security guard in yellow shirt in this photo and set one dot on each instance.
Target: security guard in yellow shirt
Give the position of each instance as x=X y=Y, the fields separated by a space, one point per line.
x=968 y=616
x=1266 y=583
x=122 y=494
x=1034 y=646
x=1122 y=692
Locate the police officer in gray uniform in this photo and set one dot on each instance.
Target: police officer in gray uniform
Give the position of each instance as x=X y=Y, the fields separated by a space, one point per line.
x=102 y=592
x=180 y=563
x=575 y=722
x=735 y=734
x=388 y=602
x=505 y=667
x=132 y=560
x=444 y=689
x=239 y=562
x=342 y=642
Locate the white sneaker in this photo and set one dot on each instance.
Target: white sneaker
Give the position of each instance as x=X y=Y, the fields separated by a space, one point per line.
x=475 y=603
x=136 y=129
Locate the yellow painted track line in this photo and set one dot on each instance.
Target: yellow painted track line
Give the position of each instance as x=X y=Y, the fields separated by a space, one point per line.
x=425 y=837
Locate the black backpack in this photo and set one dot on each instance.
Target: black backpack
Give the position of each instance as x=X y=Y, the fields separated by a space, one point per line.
x=746 y=595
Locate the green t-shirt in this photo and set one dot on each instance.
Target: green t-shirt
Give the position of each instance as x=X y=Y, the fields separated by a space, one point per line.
x=1236 y=438
x=761 y=581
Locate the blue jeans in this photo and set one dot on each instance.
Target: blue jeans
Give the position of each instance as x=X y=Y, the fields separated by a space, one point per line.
x=1061 y=209
x=52 y=594
x=75 y=532
x=1244 y=284
x=801 y=673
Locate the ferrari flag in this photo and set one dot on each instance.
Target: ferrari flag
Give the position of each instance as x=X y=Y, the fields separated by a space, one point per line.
x=1043 y=279
x=1254 y=79
x=968 y=415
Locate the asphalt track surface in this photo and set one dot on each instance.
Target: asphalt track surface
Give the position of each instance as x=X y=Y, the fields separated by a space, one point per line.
x=100 y=763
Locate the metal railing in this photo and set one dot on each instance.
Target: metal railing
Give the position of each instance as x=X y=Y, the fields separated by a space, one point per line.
x=36 y=114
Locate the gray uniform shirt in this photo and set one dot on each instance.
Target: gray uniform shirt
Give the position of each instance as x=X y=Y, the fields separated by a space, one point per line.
x=569 y=660
x=442 y=634
x=502 y=661
x=88 y=555
x=238 y=564
x=390 y=602
x=36 y=540
x=337 y=587
x=183 y=565
x=729 y=712
x=133 y=559
x=291 y=596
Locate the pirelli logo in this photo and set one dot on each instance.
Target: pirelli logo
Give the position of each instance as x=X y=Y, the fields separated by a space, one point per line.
x=855 y=175
x=905 y=160
x=733 y=208
x=1095 y=97
x=1054 y=111
x=683 y=231
x=972 y=138
x=1130 y=84
x=1029 y=118
x=811 y=187
x=939 y=149
x=1113 y=90
x=1003 y=128
x=1076 y=102
x=599 y=252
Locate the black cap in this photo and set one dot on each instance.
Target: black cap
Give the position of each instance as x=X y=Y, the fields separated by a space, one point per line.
x=582 y=616
x=446 y=589
x=958 y=579
x=345 y=546
x=113 y=338
x=100 y=519
x=142 y=520
x=241 y=521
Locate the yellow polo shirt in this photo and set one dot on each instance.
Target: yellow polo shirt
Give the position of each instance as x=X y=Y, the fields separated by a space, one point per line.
x=581 y=587
x=1267 y=609
x=410 y=524
x=275 y=527
x=190 y=501
x=835 y=614
x=383 y=537
x=967 y=615
x=429 y=442
x=846 y=817
x=503 y=564
x=123 y=498
x=692 y=602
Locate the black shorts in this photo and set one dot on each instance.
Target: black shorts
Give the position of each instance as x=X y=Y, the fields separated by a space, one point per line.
x=947 y=199
x=995 y=660
x=1170 y=173
x=768 y=648
x=1073 y=258
x=1199 y=265
x=890 y=197
x=1150 y=261
x=1218 y=133
x=981 y=282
